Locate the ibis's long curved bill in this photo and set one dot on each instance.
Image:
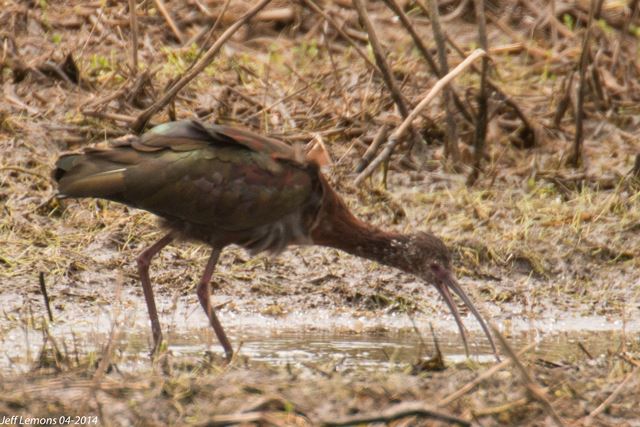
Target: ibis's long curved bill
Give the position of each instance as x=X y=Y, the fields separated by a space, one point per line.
x=448 y=282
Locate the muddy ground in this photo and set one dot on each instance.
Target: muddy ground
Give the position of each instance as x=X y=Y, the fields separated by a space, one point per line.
x=544 y=248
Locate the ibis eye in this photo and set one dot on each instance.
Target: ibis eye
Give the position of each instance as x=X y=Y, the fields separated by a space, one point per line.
x=435 y=267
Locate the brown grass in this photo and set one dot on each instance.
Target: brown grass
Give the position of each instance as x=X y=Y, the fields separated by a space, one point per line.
x=561 y=241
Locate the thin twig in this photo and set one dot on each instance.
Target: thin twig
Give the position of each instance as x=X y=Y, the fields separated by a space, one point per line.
x=334 y=67
x=379 y=55
x=254 y=417
x=220 y=16
x=494 y=410
x=532 y=387
x=133 y=24
x=265 y=108
x=451 y=143
x=459 y=10
x=576 y=159
x=43 y=289
x=424 y=51
x=588 y=419
x=552 y=16
x=167 y=17
x=210 y=33
x=482 y=116
x=633 y=6
x=483 y=376
x=527 y=44
x=396 y=136
x=635 y=170
x=369 y=155
x=387 y=74
x=13 y=98
x=110 y=116
x=144 y=117
x=436 y=344
x=404 y=19
x=344 y=35
x=401 y=410
x=565 y=101
x=26 y=172
x=520 y=112
x=105 y=362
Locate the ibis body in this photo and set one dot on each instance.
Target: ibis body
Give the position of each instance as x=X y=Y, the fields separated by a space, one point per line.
x=222 y=185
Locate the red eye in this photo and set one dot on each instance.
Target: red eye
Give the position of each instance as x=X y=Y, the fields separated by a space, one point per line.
x=435 y=267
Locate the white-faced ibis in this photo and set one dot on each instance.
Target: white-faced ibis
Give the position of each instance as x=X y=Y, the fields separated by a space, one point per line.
x=222 y=185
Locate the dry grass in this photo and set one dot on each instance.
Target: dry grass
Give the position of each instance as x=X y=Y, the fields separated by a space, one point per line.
x=201 y=391
x=532 y=236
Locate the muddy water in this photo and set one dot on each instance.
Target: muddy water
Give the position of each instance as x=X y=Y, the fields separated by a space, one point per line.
x=400 y=349
x=323 y=339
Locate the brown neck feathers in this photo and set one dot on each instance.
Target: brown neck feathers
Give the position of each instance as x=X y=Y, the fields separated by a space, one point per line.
x=338 y=228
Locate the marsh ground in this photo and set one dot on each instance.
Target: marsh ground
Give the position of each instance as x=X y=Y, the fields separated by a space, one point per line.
x=549 y=252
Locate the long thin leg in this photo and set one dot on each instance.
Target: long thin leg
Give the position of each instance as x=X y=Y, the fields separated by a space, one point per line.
x=144 y=260
x=204 y=295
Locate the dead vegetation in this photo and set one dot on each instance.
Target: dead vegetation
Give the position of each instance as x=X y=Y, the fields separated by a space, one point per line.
x=202 y=391
x=543 y=215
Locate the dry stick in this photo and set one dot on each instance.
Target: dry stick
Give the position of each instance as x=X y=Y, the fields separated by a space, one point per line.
x=548 y=16
x=26 y=172
x=334 y=69
x=114 y=338
x=281 y=15
x=386 y=72
x=494 y=410
x=201 y=51
x=563 y=105
x=232 y=419
x=459 y=10
x=401 y=410
x=529 y=123
x=481 y=120
x=451 y=144
x=633 y=6
x=532 y=387
x=165 y=14
x=436 y=344
x=576 y=159
x=264 y=108
x=111 y=116
x=527 y=45
x=13 y=99
x=635 y=170
x=553 y=23
x=43 y=289
x=127 y=91
x=133 y=24
x=402 y=129
x=211 y=31
x=483 y=376
x=373 y=148
x=379 y=54
x=588 y=419
x=344 y=35
x=424 y=51
x=144 y=117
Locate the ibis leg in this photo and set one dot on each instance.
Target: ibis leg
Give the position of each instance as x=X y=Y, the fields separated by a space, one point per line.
x=204 y=295
x=144 y=260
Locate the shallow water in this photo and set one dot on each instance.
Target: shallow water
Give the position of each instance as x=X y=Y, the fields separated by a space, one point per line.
x=400 y=349
x=322 y=338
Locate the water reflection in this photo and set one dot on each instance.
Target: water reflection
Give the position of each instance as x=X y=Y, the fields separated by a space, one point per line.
x=333 y=341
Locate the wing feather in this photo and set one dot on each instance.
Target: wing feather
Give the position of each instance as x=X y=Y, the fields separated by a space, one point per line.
x=214 y=176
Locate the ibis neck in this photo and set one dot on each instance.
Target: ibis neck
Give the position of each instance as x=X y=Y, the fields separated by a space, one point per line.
x=338 y=228
x=366 y=241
